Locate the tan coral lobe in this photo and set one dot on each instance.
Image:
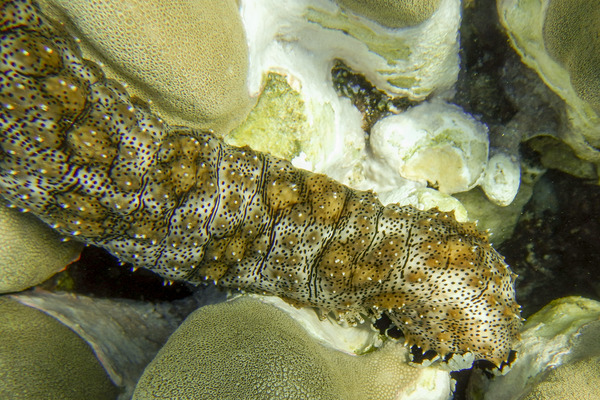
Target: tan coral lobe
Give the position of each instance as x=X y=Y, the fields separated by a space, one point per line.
x=189 y=57
x=189 y=207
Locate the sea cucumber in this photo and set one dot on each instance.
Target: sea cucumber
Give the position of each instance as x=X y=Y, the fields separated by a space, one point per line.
x=93 y=163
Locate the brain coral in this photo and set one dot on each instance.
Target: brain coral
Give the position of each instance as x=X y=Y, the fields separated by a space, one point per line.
x=189 y=57
x=246 y=349
x=40 y=358
x=96 y=164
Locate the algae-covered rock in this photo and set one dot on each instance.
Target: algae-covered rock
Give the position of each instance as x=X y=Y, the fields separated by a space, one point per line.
x=247 y=349
x=188 y=58
x=40 y=358
x=278 y=124
x=558 y=356
x=31 y=251
x=442 y=145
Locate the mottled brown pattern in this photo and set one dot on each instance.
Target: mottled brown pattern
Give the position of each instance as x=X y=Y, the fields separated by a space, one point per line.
x=93 y=163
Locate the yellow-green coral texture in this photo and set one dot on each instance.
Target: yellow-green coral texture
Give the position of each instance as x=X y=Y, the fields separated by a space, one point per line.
x=572 y=37
x=40 y=358
x=393 y=13
x=188 y=57
x=31 y=251
x=246 y=349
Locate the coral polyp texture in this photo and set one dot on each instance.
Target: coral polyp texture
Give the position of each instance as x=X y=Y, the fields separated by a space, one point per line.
x=188 y=56
x=393 y=14
x=94 y=163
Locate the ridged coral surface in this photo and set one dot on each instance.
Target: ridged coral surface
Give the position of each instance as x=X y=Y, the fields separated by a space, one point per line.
x=92 y=162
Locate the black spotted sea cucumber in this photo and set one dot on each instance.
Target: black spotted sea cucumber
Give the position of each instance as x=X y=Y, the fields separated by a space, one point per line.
x=92 y=162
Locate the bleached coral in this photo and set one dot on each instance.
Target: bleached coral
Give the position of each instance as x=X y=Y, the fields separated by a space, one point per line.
x=435 y=143
x=563 y=333
x=304 y=37
x=302 y=40
x=439 y=144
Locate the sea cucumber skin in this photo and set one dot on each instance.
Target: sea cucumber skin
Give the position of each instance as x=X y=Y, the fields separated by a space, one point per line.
x=94 y=163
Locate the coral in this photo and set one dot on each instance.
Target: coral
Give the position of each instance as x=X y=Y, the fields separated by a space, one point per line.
x=246 y=349
x=572 y=37
x=433 y=142
x=559 y=352
x=31 y=251
x=96 y=164
x=377 y=68
x=124 y=335
x=441 y=145
x=303 y=37
x=580 y=380
x=189 y=57
x=392 y=13
x=559 y=40
x=40 y=358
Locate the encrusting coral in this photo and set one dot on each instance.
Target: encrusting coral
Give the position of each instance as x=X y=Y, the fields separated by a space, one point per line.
x=393 y=13
x=247 y=349
x=94 y=163
x=560 y=40
x=31 y=251
x=40 y=358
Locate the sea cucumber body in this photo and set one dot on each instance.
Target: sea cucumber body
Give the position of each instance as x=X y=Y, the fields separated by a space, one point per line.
x=94 y=163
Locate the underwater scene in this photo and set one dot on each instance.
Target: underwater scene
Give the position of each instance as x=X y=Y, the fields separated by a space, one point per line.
x=300 y=199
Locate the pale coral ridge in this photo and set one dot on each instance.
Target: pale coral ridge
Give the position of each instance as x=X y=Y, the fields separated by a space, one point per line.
x=94 y=163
